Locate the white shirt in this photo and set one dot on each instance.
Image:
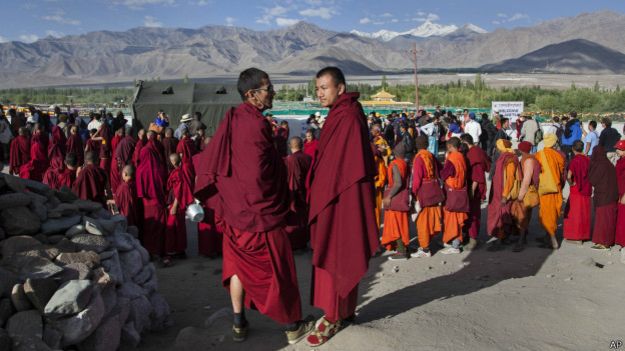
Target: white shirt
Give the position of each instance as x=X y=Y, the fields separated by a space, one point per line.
x=430 y=129
x=474 y=129
x=95 y=124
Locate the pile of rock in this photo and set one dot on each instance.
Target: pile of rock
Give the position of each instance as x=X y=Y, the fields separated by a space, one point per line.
x=71 y=275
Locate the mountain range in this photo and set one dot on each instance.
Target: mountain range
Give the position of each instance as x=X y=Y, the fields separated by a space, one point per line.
x=426 y=30
x=211 y=51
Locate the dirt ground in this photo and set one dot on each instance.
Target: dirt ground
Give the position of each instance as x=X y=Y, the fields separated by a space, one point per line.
x=570 y=299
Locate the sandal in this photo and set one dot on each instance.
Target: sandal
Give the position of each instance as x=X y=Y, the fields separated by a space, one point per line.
x=323 y=331
x=166 y=262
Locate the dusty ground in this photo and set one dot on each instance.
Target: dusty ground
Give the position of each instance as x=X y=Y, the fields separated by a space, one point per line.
x=571 y=299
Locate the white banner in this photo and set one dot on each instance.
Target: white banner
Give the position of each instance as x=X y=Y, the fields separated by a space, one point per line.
x=508 y=109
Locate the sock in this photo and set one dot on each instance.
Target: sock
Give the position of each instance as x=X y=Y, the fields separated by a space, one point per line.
x=455 y=243
x=239 y=319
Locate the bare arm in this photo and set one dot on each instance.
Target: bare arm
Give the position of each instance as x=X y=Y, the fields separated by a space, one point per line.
x=528 y=171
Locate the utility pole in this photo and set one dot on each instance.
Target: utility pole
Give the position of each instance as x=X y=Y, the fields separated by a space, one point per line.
x=413 y=52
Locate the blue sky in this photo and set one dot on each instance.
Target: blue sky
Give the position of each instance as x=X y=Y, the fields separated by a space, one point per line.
x=28 y=20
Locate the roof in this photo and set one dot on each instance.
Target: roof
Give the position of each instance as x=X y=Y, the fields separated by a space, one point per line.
x=382 y=94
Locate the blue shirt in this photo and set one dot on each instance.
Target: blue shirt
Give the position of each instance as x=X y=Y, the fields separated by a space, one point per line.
x=593 y=139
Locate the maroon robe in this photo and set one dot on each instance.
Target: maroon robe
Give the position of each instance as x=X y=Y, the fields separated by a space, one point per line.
x=343 y=227
x=281 y=138
x=577 y=211
x=75 y=145
x=151 y=181
x=57 y=147
x=94 y=146
x=137 y=151
x=19 y=153
x=179 y=188
x=127 y=202
x=619 y=237
x=210 y=234
x=122 y=157
x=52 y=175
x=297 y=165
x=479 y=163
x=500 y=221
x=105 y=147
x=602 y=176
x=90 y=184
x=169 y=146
x=67 y=178
x=241 y=176
x=310 y=148
x=38 y=164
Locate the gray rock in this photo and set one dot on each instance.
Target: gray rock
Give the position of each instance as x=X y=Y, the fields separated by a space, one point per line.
x=63 y=210
x=19 y=299
x=39 y=291
x=106 y=337
x=140 y=311
x=123 y=306
x=130 y=335
x=90 y=242
x=17 y=244
x=65 y=245
x=59 y=225
x=55 y=239
x=146 y=274
x=5 y=340
x=134 y=231
x=89 y=258
x=131 y=290
x=102 y=213
x=87 y=206
x=19 y=221
x=102 y=278
x=14 y=183
x=131 y=263
x=72 y=297
x=151 y=285
x=41 y=238
x=3 y=234
x=160 y=313
x=33 y=267
x=52 y=336
x=114 y=268
x=122 y=242
x=25 y=323
x=39 y=209
x=53 y=202
x=105 y=255
x=8 y=279
x=66 y=195
x=93 y=226
x=145 y=255
x=109 y=296
x=14 y=199
x=77 y=328
x=6 y=311
x=74 y=230
x=47 y=252
x=121 y=223
x=74 y=271
x=29 y=343
x=37 y=188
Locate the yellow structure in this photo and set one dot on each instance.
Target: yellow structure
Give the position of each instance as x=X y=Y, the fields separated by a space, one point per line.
x=384 y=98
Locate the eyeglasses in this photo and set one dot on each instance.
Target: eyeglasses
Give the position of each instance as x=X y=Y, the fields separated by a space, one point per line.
x=268 y=89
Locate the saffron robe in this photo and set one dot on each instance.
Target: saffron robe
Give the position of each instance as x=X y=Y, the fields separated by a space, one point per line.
x=380 y=183
x=551 y=204
x=429 y=219
x=396 y=222
x=454 y=175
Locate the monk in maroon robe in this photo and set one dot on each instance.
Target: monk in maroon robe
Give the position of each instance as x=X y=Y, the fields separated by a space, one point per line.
x=311 y=144
x=94 y=144
x=91 y=181
x=619 y=236
x=57 y=146
x=180 y=194
x=67 y=176
x=19 y=153
x=602 y=176
x=343 y=228
x=169 y=145
x=75 y=145
x=241 y=176
x=151 y=182
x=51 y=176
x=117 y=137
x=297 y=166
x=577 y=213
x=125 y=196
x=104 y=135
x=122 y=148
x=38 y=164
x=479 y=164
x=281 y=137
x=141 y=141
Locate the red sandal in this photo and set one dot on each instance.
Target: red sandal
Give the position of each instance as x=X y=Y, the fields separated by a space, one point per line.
x=323 y=331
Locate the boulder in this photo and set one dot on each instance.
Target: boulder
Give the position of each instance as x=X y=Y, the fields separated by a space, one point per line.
x=66 y=195
x=66 y=245
x=3 y=234
x=78 y=327
x=5 y=340
x=33 y=267
x=74 y=230
x=25 y=323
x=39 y=291
x=122 y=241
x=130 y=335
x=14 y=183
x=55 y=239
x=89 y=258
x=89 y=242
x=145 y=255
x=102 y=278
x=87 y=206
x=13 y=200
x=134 y=231
x=6 y=311
x=40 y=209
x=19 y=221
x=52 y=336
x=140 y=311
x=151 y=285
x=160 y=313
x=72 y=297
x=17 y=244
x=132 y=263
x=19 y=299
x=41 y=238
x=29 y=343
x=59 y=225
x=113 y=267
x=93 y=226
x=8 y=279
x=74 y=271
x=63 y=210
x=146 y=274
x=106 y=337
x=131 y=290
x=109 y=297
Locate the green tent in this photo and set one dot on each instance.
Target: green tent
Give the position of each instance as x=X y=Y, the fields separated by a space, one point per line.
x=177 y=99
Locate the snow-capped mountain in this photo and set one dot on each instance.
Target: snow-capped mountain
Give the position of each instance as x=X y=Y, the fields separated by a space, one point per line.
x=427 y=29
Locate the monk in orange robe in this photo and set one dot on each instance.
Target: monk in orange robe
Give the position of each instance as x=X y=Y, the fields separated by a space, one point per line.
x=380 y=183
x=454 y=175
x=500 y=221
x=576 y=226
x=396 y=234
x=425 y=170
x=550 y=188
x=380 y=143
x=530 y=170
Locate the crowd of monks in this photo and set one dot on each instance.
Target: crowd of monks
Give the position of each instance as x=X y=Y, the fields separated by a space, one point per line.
x=342 y=192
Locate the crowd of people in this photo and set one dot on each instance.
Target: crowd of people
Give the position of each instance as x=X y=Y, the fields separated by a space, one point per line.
x=350 y=190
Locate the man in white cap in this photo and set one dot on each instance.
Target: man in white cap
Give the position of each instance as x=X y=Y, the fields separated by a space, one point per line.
x=186 y=118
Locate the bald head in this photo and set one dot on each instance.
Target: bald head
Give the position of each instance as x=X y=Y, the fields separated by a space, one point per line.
x=128 y=173
x=174 y=159
x=89 y=157
x=296 y=144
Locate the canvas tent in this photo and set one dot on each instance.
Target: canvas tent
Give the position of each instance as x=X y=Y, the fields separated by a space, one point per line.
x=178 y=98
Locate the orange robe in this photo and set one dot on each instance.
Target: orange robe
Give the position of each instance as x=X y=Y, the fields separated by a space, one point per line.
x=396 y=222
x=454 y=221
x=380 y=181
x=551 y=204
x=430 y=218
x=500 y=220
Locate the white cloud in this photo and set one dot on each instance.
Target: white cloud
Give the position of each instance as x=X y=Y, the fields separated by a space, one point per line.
x=394 y=20
x=54 y=34
x=504 y=18
x=518 y=17
x=230 y=21
x=502 y=15
x=387 y=15
x=59 y=17
x=270 y=13
x=283 y=22
x=152 y=22
x=3 y=39
x=203 y=2
x=323 y=12
x=139 y=4
x=365 y=20
x=28 y=38
x=426 y=17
